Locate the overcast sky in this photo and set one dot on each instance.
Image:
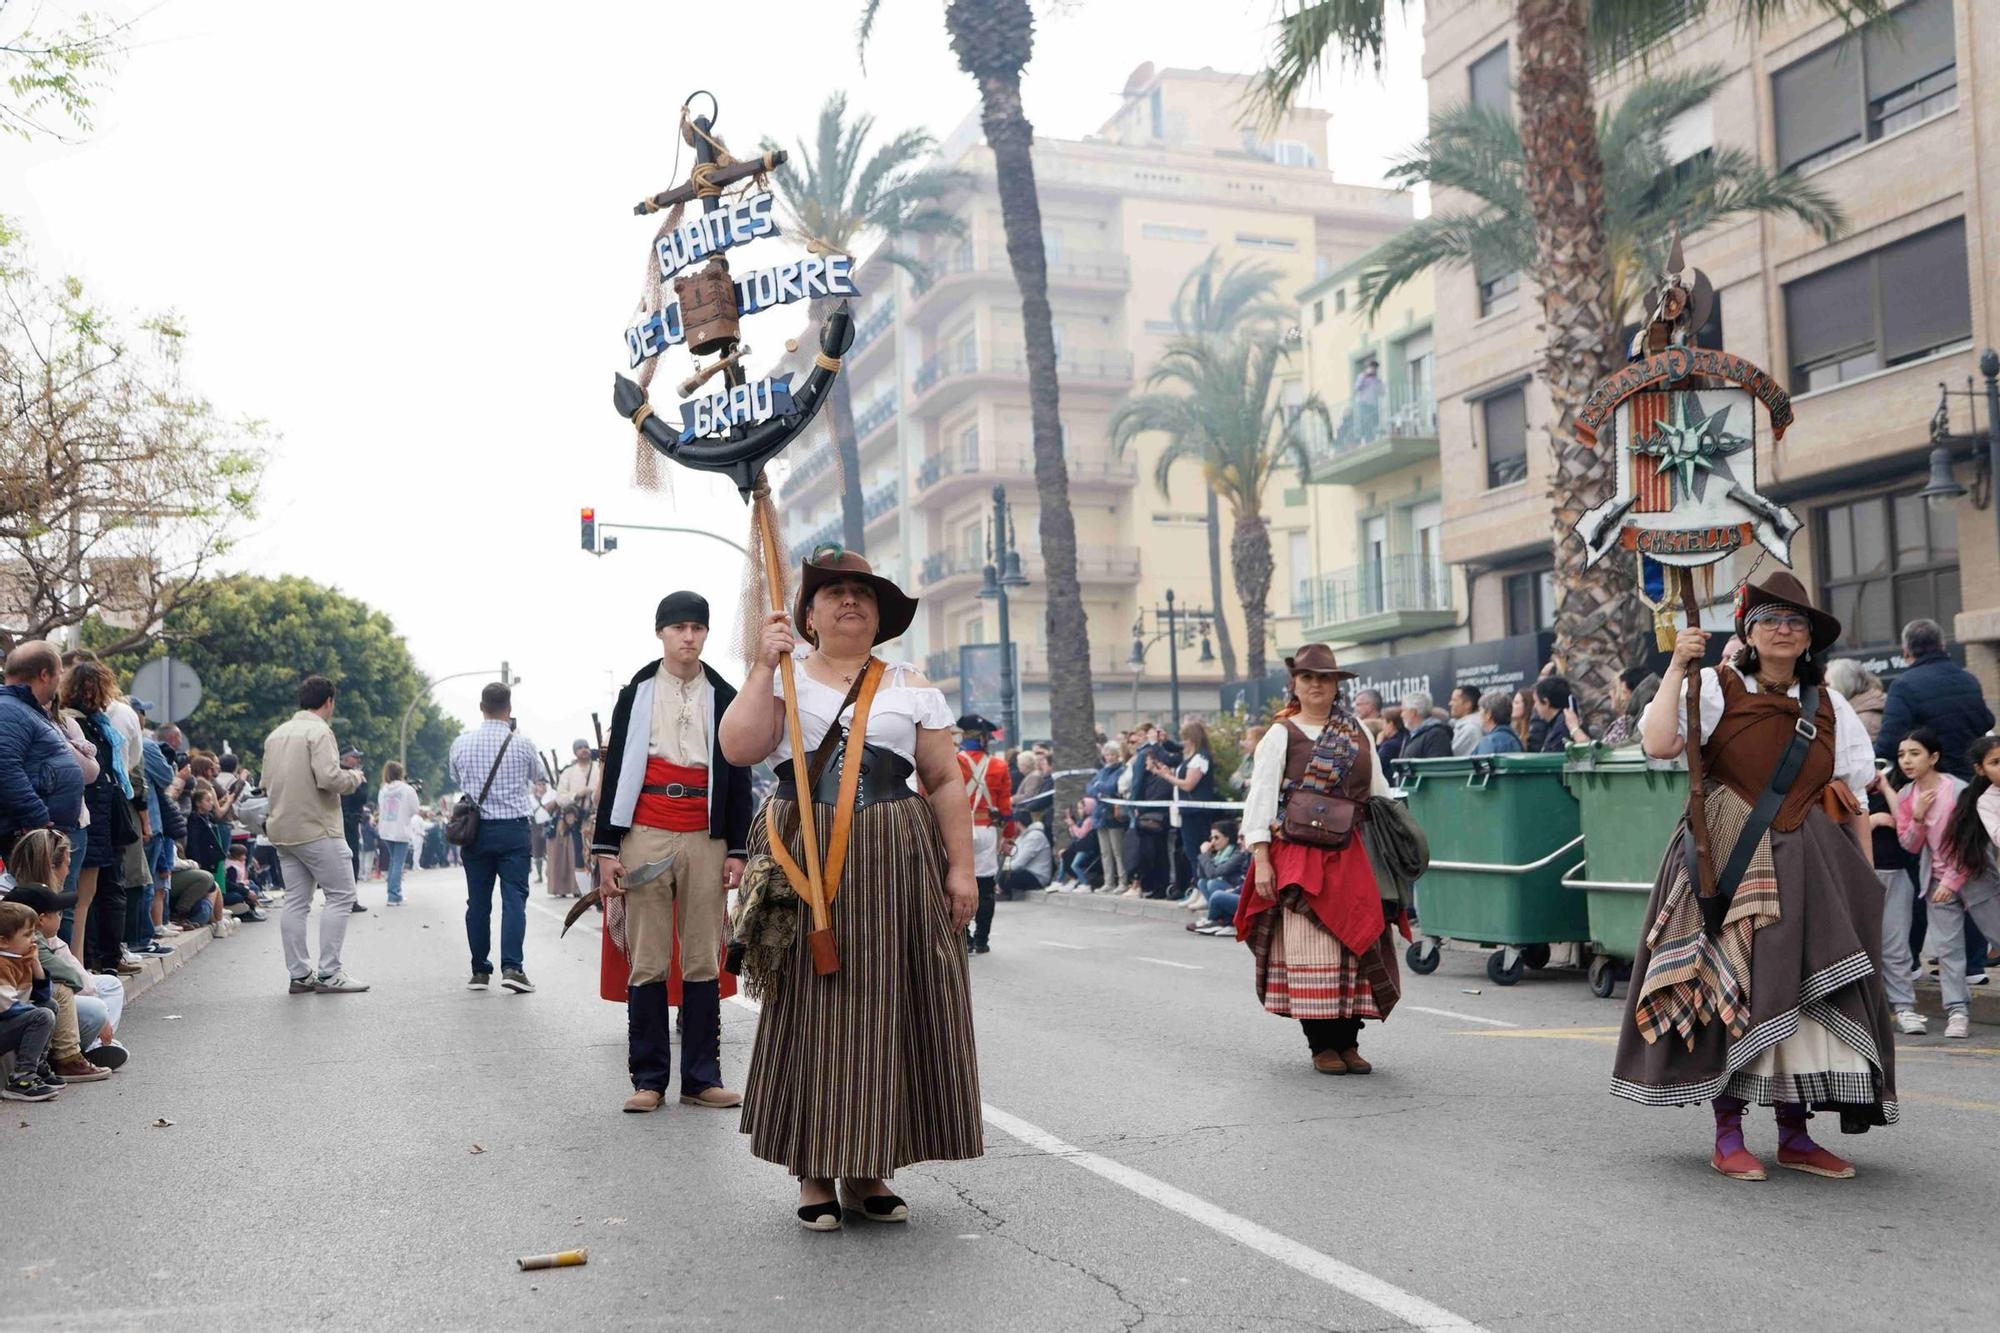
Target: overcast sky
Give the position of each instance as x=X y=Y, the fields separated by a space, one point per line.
x=402 y=234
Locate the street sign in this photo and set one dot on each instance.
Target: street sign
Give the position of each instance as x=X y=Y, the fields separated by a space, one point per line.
x=170 y=685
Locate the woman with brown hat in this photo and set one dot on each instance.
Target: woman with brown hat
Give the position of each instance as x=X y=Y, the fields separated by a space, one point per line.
x=870 y=1067
x=1770 y=989
x=1315 y=916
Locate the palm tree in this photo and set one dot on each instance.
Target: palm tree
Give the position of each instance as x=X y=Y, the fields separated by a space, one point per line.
x=834 y=197
x=1563 y=188
x=993 y=40
x=1225 y=416
x=1216 y=301
x=1477 y=152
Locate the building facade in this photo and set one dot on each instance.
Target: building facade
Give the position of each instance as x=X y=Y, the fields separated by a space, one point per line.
x=941 y=392
x=1862 y=330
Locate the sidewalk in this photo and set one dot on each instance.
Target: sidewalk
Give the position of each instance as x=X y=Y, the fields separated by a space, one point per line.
x=159 y=966
x=1985 y=999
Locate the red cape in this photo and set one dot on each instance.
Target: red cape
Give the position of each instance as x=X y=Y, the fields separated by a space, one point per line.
x=614 y=970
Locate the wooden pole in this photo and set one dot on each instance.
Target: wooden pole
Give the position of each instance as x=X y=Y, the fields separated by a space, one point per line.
x=825 y=957
x=1697 y=813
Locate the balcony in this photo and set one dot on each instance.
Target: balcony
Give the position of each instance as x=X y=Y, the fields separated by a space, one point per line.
x=871 y=328
x=873 y=417
x=816 y=462
x=1094 y=564
x=945 y=474
x=953 y=276
x=1111 y=665
x=946 y=379
x=880 y=502
x=829 y=531
x=1387 y=599
x=1399 y=431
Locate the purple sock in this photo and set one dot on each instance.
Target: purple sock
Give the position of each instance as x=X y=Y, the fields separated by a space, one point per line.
x=1792 y=1135
x=1728 y=1124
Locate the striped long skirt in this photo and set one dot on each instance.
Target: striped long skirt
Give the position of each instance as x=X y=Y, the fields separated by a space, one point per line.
x=870 y=1068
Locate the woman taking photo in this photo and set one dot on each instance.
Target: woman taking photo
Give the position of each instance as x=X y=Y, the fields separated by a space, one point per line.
x=1314 y=915
x=870 y=1067
x=1770 y=990
x=1194 y=779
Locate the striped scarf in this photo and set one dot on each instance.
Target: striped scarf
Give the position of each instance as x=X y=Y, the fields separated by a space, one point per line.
x=1693 y=980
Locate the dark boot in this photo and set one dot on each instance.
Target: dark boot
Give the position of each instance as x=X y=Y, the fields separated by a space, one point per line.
x=701 y=1043
x=1731 y=1158
x=649 y=1046
x=1797 y=1151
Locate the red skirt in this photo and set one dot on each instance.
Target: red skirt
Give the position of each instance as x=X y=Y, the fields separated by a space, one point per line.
x=1337 y=881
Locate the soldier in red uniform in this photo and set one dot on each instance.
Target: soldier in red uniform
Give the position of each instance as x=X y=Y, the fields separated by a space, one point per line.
x=991 y=791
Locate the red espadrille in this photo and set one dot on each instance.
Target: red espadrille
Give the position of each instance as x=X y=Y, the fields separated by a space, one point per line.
x=1738 y=1165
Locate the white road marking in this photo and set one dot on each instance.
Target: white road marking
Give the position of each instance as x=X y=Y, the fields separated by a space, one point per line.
x=588 y=921
x=1058 y=944
x=1385 y=1296
x=1453 y=1013
x=1163 y=962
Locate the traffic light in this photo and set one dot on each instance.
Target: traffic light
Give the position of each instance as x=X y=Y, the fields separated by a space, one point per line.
x=590 y=531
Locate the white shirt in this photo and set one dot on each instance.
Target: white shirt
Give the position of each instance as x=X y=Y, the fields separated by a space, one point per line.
x=680 y=724
x=1853 y=753
x=1267 y=779
x=894 y=718
x=397 y=811
x=1465 y=734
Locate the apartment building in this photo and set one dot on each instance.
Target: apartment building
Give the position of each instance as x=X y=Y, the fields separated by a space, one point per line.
x=941 y=392
x=1863 y=330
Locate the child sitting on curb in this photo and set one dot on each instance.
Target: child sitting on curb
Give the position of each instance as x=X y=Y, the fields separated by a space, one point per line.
x=25 y=1027
x=88 y=1005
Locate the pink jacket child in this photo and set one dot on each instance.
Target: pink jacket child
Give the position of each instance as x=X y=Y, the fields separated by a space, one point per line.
x=1927 y=836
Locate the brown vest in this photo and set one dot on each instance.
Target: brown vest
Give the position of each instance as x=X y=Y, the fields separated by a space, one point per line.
x=1298 y=753
x=1750 y=738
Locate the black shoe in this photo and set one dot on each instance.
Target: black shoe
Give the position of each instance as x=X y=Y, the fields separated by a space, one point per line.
x=982 y=948
x=820 y=1216
x=31 y=1088
x=480 y=981
x=514 y=979
x=253 y=914
x=108 y=1056
x=357 y=908
x=48 y=1075
x=303 y=985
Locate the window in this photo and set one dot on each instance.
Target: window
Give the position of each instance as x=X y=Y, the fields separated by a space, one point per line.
x=1157 y=105
x=1051 y=245
x=1531 y=602
x=1897 y=72
x=1487 y=81
x=1300 y=567
x=972 y=541
x=1888 y=560
x=968 y=445
x=1253 y=241
x=1503 y=421
x=1905 y=301
x=1498 y=292
x=1291 y=153
x=1340 y=300
x=1162 y=231
x=1319 y=312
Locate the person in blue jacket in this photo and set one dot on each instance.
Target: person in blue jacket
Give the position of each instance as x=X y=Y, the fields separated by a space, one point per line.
x=41 y=782
x=1934 y=692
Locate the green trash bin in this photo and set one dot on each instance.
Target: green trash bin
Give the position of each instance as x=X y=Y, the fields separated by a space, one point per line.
x=1503 y=830
x=1629 y=810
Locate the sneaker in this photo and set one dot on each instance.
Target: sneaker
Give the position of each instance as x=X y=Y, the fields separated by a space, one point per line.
x=1912 y=1023
x=982 y=948
x=255 y=914
x=156 y=950
x=514 y=979
x=395 y=902
x=76 y=1069
x=480 y=981
x=108 y=1055
x=1977 y=979
x=28 y=1088
x=339 y=984
x=304 y=985
x=357 y=908
x=1959 y=1025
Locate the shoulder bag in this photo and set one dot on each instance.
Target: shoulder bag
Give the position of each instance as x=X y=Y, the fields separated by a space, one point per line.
x=1313 y=811
x=463 y=824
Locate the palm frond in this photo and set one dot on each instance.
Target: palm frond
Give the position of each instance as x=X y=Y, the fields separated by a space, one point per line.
x=1621 y=28
x=1305 y=33
x=864 y=28
x=1468 y=148
x=1492 y=242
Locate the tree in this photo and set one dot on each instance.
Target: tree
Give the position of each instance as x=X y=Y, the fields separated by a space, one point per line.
x=55 y=75
x=1478 y=152
x=835 y=199
x=1226 y=418
x=1215 y=301
x=119 y=485
x=1563 y=189
x=993 y=40
x=254 y=639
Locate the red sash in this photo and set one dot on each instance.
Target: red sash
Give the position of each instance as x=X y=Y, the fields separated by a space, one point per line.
x=676 y=814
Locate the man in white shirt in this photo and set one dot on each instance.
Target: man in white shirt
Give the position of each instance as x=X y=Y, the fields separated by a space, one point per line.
x=1466 y=725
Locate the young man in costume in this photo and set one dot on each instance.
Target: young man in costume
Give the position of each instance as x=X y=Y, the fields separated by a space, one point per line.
x=990 y=789
x=669 y=796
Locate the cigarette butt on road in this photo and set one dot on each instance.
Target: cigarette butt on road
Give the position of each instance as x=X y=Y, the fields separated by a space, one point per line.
x=561 y=1259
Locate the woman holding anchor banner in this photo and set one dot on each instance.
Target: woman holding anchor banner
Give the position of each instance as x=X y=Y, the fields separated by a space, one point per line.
x=1770 y=990
x=868 y=1067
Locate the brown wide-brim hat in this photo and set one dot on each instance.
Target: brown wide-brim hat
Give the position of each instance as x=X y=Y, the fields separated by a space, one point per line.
x=1317 y=657
x=1782 y=587
x=830 y=564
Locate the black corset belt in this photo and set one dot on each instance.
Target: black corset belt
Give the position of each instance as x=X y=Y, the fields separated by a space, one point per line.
x=885 y=776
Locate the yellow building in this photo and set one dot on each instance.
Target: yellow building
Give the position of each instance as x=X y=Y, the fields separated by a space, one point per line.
x=941 y=390
x=1890 y=121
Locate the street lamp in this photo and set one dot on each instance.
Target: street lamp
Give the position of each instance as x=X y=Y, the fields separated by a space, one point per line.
x=403 y=733
x=1943 y=487
x=1178 y=625
x=1003 y=571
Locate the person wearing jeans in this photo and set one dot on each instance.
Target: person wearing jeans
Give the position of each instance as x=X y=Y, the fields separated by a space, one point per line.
x=396 y=811
x=501 y=767
x=305 y=779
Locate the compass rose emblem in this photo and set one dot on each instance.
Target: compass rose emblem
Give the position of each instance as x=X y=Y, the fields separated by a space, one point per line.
x=1688 y=448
